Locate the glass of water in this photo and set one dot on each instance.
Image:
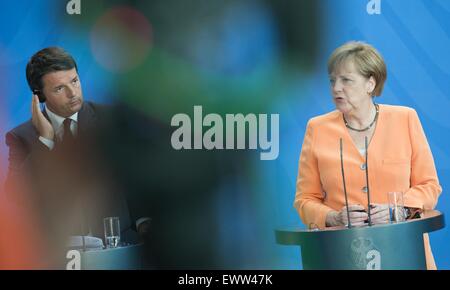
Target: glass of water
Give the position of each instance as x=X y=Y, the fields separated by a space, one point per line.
x=396 y=207
x=112 y=232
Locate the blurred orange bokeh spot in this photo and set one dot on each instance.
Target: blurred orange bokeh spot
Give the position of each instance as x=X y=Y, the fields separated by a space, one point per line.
x=121 y=39
x=21 y=243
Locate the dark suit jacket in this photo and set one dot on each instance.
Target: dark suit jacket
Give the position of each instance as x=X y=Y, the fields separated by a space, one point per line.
x=70 y=188
x=122 y=150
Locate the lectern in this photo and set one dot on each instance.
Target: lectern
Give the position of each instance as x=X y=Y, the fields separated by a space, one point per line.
x=389 y=246
x=121 y=258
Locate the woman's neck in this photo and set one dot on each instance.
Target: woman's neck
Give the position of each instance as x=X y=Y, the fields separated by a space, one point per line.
x=361 y=117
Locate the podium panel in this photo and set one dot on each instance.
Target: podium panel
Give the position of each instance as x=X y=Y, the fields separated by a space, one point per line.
x=121 y=258
x=387 y=246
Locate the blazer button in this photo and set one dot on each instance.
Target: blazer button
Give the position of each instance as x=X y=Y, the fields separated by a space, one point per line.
x=363 y=166
x=364 y=189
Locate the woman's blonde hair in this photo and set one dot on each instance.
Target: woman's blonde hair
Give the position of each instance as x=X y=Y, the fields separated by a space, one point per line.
x=367 y=60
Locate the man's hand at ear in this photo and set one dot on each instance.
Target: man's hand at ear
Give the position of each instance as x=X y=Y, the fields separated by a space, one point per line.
x=41 y=124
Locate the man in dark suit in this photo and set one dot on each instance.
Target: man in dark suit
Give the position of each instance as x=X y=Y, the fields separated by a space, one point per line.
x=54 y=160
x=78 y=159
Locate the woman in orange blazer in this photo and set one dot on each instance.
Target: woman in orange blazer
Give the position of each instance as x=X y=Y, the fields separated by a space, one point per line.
x=399 y=156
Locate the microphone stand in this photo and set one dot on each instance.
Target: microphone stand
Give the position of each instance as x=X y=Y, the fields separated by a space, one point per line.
x=345 y=188
x=367 y=182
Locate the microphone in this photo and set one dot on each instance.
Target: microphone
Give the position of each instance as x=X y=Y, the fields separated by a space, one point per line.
x=367 y=184
x=345 y=188
x=84 y=243
x=83 y=223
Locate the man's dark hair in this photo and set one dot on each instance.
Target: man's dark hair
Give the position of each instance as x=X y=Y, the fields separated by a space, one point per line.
x=47 y=60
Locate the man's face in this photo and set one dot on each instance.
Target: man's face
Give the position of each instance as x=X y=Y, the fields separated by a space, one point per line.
x=62 y=90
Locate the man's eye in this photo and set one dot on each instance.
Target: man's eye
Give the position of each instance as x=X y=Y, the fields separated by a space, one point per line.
x=58 y=90
x=75 y=81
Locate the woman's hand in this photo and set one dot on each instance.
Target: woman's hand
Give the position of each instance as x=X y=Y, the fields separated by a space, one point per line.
x=379 y=214
x=357 y=215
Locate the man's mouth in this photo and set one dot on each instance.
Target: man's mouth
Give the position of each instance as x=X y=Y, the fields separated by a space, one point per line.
x=74 y=102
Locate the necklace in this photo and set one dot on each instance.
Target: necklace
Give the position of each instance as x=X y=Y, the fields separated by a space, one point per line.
x=368 y=127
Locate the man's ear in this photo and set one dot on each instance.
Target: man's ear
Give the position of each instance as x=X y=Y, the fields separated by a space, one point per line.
x=40 y=95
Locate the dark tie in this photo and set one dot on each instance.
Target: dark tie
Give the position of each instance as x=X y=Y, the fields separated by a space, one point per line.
x=68 y=136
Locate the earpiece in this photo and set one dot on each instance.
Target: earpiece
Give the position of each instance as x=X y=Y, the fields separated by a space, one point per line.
x=40 y=95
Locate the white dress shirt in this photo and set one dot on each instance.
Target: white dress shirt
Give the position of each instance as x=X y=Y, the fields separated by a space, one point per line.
x=57 y=124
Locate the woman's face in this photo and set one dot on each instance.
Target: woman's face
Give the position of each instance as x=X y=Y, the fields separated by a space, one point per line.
x=350 y=89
